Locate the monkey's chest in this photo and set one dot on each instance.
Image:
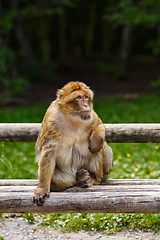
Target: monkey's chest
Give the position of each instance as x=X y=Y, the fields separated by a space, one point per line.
x=77 y=141
x=82 y=148
x=74 y=157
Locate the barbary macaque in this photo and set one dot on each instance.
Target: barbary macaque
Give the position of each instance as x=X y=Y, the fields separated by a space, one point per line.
x=71 y=148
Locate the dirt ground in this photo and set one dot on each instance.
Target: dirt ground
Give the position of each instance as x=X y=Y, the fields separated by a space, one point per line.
x=18 y=228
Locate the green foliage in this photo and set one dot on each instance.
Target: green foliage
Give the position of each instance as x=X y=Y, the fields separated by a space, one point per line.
x=135 y=161
x=121 y=13
x=109 y=223
x=6 y=23
x=29 y=217
x=156 y=83
x=53 y=7
x=17 y=161
x=28 y=114
x=154 y=45
x=144 y=12
x=7 y=58
x=101 y=67
x=49 y=30
x=115 y=109
x=9 y=88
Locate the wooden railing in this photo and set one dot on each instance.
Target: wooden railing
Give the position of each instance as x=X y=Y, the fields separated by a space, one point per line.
x=28 y=132
x=118 y=195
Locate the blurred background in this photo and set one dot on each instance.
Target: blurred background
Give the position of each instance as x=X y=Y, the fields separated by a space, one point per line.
x=113 y=46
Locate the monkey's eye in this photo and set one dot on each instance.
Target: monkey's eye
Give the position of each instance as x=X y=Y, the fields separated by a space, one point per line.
x=79 y=97
x=86 y=97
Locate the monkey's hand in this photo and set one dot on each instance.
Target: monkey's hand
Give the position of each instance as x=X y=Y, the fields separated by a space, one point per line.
x=97 y=139
x=39 y=195
x=95 y=143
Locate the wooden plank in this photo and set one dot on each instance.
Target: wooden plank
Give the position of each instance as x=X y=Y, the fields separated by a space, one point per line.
x=18 y=182
x=28 y=132
x=82 y=202
x=34 y=182
x=97 y=188
x=118 y=195
x=133 y=181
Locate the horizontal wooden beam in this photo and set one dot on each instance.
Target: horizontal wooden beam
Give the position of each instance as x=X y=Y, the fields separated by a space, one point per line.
x=34 y=182
x=118 y=196
x=140 y=133
x=19 y=132
x=119 y=133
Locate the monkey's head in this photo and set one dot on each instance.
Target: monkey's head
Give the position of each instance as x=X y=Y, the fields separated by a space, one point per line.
x=75 y=99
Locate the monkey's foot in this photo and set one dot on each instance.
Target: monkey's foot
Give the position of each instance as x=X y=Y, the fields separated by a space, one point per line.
x=39 y=195
x=84 y=178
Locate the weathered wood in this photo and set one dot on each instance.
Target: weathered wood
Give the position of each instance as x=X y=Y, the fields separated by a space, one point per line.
x=28 y=132
x=19 y=132
x=34 y=182
x=18 y=182
x=140 y=133
x=102 y=188
x=125 y=196
x=79 y=202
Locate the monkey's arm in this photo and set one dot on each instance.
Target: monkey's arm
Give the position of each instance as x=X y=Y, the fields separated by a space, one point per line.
x=46 y=169
x=97 y=139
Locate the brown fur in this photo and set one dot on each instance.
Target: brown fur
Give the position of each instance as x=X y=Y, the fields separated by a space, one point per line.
x=71 y=148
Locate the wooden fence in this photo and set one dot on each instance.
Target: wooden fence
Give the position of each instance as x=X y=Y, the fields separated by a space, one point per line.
x=117 y=196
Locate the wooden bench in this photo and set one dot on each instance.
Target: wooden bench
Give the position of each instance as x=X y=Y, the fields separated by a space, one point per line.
x=118 y=196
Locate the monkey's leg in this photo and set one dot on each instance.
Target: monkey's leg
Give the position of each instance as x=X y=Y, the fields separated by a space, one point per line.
x=84 y=178
x=107 y=160
x=97 y=139
x=61 y=180
x=92 y=174
x=46 y=169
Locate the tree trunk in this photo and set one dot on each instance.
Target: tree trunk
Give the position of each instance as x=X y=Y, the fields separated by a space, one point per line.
x=124 y=49
x=0 y=20
x=20 y=34
x=158 y=37
x=45 y=40
x=89 y=34
x=62 y=36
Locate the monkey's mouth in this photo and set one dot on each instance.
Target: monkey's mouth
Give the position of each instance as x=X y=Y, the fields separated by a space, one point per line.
x=85 y=115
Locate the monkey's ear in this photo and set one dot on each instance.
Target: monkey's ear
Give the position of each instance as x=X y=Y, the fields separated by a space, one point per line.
x=59 y=94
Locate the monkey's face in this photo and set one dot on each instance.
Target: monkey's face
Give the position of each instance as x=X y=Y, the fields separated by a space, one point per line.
x=75 y=100
x=83 y=106
x=79 y=104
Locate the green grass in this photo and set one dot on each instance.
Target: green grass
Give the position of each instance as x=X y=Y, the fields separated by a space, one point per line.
x=109 y=223
x=17 y=159
x=131 y=160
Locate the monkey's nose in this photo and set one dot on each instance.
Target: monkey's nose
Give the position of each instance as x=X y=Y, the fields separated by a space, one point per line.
x=86 y=108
